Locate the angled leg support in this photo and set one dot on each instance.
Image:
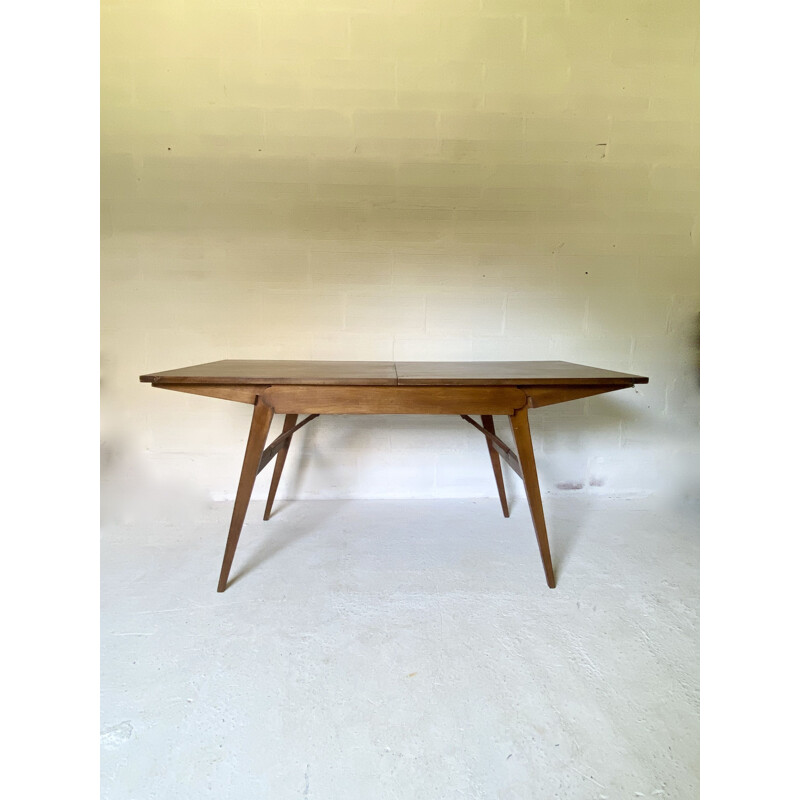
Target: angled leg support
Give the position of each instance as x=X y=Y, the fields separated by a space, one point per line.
x=488 y=423
x=522 y=436
x=280 y=460
x=259 y=428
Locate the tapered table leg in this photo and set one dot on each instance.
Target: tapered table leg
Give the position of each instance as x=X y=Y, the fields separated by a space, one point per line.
x=259 y=428
x=280 y=460
x=522 y=436
x=488 y=423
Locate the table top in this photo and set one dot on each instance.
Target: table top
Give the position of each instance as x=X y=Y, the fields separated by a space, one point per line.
x=393 y=373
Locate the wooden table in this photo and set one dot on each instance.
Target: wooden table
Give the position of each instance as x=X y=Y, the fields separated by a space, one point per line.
x=483 y=388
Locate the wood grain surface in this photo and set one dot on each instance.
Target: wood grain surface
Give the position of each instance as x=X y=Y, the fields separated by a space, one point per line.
x=299 y=373
x=388 y=373
x=506 y=373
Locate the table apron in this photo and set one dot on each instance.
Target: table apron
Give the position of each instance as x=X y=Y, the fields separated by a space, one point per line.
x=394 y=399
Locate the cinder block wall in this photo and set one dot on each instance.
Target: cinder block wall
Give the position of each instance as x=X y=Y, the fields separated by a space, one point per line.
x=401 y=179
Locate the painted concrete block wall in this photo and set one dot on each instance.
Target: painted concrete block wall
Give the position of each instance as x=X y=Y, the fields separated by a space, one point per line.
x=398 y=179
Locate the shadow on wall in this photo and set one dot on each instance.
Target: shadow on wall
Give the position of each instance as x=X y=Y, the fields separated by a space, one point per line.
x=472 y=205
x=560 y=237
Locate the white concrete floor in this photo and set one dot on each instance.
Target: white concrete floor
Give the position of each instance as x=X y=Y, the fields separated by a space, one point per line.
x=403 y=650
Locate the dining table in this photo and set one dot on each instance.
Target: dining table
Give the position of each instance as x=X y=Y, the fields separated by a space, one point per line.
x=475 y=391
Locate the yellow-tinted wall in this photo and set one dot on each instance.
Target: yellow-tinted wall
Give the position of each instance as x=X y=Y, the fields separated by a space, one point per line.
x=409 y=180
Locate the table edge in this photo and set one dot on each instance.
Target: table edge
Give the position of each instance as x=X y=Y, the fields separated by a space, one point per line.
x=156 y=380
